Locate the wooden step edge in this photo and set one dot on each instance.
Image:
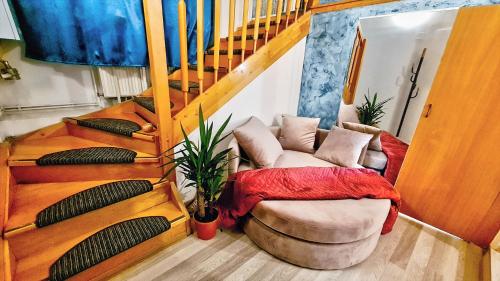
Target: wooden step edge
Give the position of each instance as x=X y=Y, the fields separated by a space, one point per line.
x=136 y=135
x=14 y=231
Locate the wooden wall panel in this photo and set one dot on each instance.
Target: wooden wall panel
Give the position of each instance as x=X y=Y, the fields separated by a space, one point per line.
x=451 y=175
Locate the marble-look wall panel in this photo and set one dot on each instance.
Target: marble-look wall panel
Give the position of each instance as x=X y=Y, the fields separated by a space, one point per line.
x=328 y=50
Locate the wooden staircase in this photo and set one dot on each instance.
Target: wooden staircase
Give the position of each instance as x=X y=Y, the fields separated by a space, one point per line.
x=28 y=188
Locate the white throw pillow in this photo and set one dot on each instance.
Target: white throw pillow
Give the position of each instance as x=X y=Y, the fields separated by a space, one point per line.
x=298 y=133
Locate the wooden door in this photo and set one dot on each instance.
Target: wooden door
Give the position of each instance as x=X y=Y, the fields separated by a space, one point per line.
x=451 y=175
x=358 y=49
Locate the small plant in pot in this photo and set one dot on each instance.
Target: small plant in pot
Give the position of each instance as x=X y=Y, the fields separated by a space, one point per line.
x=371 y=111
x=203 y=168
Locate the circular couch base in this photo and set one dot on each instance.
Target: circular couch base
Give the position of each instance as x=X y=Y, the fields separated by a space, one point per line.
x=310 y=254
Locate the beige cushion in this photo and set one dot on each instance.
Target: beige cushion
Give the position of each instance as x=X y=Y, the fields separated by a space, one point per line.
x=343 y=147
x=290 y=158
x=259 y=143
x=324 y=221
x=298 y=133
x=375 y=160
x=310 y=254
x=375 y=143
x=347 y=113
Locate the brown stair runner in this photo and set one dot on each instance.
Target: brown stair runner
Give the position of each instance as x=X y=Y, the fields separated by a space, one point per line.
x=90 y=155
x=107 y=243
x=92 y=199
x=111 y=125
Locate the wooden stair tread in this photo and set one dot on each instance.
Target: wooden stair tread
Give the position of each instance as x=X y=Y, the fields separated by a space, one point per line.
x=30 y=199
x=225 y=52
x=33 y=149
x=177 y=84
x=36 y=266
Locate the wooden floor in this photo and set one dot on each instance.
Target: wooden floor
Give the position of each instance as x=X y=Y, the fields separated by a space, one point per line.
x=410 y=252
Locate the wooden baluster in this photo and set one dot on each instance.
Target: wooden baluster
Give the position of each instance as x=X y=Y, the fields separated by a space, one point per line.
x=244 y=30
x=278 y=15
x=305 y=6
x=297 y=8
x=153 y=18
x=181 y=9
x=288 y=9
x=216 y=39
x=258 y=8
x=199 y=43
x=231 y=34
x=268 y=18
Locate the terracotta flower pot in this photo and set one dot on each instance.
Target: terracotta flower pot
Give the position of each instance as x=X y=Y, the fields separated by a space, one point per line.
x=206 y=230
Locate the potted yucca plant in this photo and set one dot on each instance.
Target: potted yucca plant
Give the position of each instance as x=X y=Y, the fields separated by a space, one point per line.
x=371 y=111
x=204 y=169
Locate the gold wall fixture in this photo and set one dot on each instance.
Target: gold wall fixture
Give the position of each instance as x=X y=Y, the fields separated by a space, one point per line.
x=7 y=72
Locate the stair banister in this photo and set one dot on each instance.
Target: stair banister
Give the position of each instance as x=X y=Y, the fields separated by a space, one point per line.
x=305 y=6
x=231 y=34
x=199 y=43
x=288 y=9
x=153 y=15
x=181 y=8
x=244 y=30
x=279 y=10
x=269 y=11
x=216 y=38
x=258 y=8
x=297 y=8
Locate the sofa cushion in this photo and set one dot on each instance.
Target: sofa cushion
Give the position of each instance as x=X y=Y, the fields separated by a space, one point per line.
x=343 y=147
x=298 y=133
x=375 y=160
x=347 y=113
x=290 y=158
x=375 y=143
x=324 y=221
x=258 y=142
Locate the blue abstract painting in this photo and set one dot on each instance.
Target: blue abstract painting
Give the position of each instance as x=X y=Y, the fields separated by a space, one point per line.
x=328 y=50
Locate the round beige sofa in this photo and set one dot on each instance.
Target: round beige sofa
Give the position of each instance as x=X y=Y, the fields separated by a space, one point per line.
x=319 y=234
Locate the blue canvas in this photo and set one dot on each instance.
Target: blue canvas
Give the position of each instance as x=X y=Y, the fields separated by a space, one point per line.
x=101 y=32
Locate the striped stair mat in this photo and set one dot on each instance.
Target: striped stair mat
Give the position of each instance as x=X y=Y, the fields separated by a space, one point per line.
x=107 y=243
x=90 y=155
x=111 y=125
x=91 y=199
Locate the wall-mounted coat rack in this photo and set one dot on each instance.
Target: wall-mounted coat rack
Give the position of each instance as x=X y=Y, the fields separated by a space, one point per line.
x=413 y=80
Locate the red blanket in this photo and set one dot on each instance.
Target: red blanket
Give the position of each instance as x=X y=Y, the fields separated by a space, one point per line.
x=395 y=151
x=245 y=189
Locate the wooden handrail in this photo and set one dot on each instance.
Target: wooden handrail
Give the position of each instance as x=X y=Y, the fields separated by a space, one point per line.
x=305 y=6
x=297 y=8
x=216 y=38
x=231 y=34
x=181 y=9
x=244 y=30
x=288 y=9
x=158 y=70
x=269 y=11
x=199 y=42
x=258 y=8
x=279 y=10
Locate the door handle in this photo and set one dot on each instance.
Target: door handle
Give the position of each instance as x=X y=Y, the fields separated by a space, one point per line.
x=429 y=107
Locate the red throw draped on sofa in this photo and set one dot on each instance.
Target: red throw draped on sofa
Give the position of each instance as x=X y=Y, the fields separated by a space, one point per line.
x=395 y=151
x=245 y=189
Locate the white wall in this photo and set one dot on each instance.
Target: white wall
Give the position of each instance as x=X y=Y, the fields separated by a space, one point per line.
x=41 y=84
x=273 y=92
x=391 y=49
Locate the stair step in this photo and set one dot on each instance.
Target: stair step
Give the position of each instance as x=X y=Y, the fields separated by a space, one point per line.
x=262 y=21
x=36 y=251
x=205 y=69
x=88 y=155
x=177 y=84
x=31 y=199
x=107 y=243
x=92 y=199
x=225 y=52
x=146 y=102
x=111 y=125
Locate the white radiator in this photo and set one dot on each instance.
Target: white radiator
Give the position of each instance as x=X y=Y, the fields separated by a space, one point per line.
x=118 y=82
